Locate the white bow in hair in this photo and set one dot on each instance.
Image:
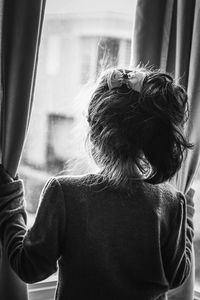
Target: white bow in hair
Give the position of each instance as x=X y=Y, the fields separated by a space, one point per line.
x=133 y=80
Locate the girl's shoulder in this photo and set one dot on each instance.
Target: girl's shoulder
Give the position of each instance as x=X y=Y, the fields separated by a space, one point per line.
x=165 y=195
x=173 y=193
x=78 y=182
x=77 y=179
x=165 y=190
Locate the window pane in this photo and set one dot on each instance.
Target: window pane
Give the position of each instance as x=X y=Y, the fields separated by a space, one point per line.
x=79 y=39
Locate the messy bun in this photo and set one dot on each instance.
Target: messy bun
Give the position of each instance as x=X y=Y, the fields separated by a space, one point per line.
x=139 y=134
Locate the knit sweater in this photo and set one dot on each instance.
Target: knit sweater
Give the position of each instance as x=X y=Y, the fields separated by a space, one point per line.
x=109 y=243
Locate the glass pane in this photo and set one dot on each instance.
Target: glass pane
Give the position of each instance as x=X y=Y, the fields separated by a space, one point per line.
x=78 y=41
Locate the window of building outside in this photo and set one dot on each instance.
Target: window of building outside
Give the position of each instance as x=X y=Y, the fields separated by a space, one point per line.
x=78 y=42
x=59 y=142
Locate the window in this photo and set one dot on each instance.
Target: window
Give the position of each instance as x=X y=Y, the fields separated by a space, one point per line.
x=78 y=41
x=53 y=55
x=108 y=50
x=76 y=45
x=101 y=52
x=88 y=52
x=60 y=142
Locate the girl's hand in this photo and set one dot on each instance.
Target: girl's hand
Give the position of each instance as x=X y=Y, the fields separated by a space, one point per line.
x=4 y=176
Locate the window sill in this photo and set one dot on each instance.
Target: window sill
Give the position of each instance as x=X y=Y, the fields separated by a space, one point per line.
x=45 y=290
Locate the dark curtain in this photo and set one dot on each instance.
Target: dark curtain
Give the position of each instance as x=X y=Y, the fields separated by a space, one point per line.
x=21 y=32
x=167 y=36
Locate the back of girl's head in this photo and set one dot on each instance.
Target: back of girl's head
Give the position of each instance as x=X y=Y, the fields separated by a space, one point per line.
x=136 y=120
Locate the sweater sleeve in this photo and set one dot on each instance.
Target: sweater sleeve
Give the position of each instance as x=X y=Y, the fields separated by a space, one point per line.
x=33 y=253
x=177 y=253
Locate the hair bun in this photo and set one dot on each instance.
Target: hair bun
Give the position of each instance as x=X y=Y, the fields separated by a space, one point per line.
x=164 y=99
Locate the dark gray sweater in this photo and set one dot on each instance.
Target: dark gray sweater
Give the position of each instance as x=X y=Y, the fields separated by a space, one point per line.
x=109 y=243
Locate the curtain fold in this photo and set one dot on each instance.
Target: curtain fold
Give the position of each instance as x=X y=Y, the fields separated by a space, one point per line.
x=167 y=36
x=21 y=32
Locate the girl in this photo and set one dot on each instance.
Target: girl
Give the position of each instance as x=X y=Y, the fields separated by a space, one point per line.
x=123 y=233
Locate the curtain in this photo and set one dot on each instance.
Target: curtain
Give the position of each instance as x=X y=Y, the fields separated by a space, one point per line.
x=167 y=36
x=20 y=32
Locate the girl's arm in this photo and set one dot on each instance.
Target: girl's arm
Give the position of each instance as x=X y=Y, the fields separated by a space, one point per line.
x=33 y=254
x=177 y=253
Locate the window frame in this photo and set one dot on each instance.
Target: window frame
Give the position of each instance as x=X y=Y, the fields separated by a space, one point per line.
x=44 y=286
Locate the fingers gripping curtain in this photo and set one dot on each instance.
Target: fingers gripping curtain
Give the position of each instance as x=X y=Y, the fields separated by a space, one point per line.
x=21 y=31
x=167 y=36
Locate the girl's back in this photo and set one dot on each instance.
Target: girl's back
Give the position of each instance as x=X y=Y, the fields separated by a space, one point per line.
x=123 y=233
x=121 y=244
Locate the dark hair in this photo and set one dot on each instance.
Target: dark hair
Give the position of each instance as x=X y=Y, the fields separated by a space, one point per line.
x=143 y=131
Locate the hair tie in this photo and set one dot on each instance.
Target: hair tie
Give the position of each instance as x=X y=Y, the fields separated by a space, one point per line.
x=133 y=80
